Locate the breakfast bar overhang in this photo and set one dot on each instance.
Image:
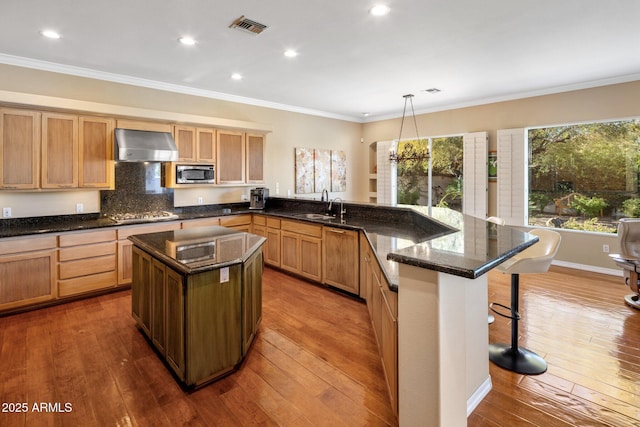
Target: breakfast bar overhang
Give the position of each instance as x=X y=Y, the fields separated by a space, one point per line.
x=442 y=320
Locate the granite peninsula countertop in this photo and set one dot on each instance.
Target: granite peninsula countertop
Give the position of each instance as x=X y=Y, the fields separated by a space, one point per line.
x=445 y=241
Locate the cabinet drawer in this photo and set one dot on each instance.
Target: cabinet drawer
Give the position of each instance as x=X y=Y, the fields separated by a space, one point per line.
x=273 y=222
x=302 y=228
x=200 y=222
x=130 y=230
x=85 y=238
x=87 y=251
x=83 y=284
x=229 y=221
x=27 y=244
x=88 y=266
x=259 y=220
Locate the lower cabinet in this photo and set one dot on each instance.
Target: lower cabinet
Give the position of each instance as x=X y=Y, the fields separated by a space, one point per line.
x=301 y=249
x=87 y=262
x=201 y=324
x=382 y=304
x=340 y=259
x=27 y=271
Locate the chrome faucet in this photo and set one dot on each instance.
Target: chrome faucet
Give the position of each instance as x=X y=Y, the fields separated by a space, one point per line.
x=342 y=210
x=325 y=195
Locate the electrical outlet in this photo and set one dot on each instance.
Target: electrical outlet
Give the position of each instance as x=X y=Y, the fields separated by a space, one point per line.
x=6 y=212
x=200 y=200
x=79 y=208
x=605 y=248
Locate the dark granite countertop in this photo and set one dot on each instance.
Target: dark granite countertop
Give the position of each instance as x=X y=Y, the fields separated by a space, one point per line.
x=445 y=241
x=195 y=250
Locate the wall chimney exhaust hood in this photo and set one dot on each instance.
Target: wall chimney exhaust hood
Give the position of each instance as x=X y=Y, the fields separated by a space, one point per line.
x=144 y=146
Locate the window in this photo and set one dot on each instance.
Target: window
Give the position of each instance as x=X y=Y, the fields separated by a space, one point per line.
x=442 y=186
x=584 y=176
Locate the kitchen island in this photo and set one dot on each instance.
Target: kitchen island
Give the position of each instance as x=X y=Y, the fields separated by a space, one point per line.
x=197 y=295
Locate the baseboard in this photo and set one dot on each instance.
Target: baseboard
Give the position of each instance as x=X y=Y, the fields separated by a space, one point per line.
x=477 y=396
x=584 y=267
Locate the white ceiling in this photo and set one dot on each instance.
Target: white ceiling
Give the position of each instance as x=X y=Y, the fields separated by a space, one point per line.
x=349 y=62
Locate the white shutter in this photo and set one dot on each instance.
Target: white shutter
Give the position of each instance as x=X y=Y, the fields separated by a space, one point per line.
x=512 y=176
x=474 y=174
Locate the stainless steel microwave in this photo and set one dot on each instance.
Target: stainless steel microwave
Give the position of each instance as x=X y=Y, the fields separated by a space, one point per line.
x=195 y=174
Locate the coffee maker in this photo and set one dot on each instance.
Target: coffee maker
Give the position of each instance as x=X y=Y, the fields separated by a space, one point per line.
x=259 y=196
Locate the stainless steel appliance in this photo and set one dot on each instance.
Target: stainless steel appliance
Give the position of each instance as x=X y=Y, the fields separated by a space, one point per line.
x=195 y=174
x=147 y=216
x=258 y=198
x=144 y=146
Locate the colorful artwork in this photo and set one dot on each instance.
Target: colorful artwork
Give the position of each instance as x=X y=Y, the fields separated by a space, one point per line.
x=304 y=170
x=338 y=170
x=322 y=169
x=493 y=166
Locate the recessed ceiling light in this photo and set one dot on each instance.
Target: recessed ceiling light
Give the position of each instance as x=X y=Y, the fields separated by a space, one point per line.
x=379 y=10
x=236 y=76
x=290 y=53
x=186 y=40
x=50 y=34
x=365 y=114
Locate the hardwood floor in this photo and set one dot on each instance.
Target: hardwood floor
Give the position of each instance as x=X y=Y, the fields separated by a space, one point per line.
x=590 y=339
x=315 y=362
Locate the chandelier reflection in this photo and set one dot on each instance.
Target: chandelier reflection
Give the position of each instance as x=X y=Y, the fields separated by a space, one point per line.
x=409 y=152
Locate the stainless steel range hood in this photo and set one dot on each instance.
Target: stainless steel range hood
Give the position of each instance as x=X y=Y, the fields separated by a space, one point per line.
x=144 y=146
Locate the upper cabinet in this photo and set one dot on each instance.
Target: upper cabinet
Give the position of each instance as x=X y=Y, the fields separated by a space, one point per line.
x=96 y=153
x=255 y=158
x=206 y=145
x=231 y=157
x=19 y=149
x=185 y=137
x=59 y=150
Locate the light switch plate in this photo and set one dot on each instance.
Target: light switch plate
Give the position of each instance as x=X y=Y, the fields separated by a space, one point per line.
x=224 y=274
x=6 y=212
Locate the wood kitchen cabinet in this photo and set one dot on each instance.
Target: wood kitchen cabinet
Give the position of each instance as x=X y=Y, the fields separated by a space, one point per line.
x=206 y=145
x=269 y=227
x=251 y=299
x=96 y=165
x=301 y=248
x=382 y=304
x=255 y=158
x=87 y=262
x=20 y=149
x=230 y=168
x=59 y=151
x=237 y=222
x=340 y=259
x=185 y=137
x=27 y=271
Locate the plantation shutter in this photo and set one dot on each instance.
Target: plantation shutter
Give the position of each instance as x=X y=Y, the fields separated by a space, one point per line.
x=474 y=170
x=512 y=176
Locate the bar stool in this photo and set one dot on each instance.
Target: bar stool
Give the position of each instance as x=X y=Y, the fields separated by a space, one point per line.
x=629 y=257
x=534 y=259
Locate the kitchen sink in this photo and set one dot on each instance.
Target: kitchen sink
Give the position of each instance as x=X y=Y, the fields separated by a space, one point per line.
x=317 y=216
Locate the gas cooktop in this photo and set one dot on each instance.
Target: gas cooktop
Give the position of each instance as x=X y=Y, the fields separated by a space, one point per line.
x=149 y=216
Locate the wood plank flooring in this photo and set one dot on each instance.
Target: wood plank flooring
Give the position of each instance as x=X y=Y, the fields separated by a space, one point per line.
x=315 y=362
x=590 y=339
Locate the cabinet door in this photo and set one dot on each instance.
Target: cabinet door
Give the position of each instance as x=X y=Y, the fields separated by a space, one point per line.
x=27 y=278
x=255 y=158
x=175 y=339
x=124 y=262
x=389 y=330
x=140 y=289
x=20 y=149
x=311 y=257
x=340 y=259
x=96 y=153
x=186 y=141
x=158 y=297
x=251 y=300
x=206 y=145
x=231 y=157
x=272 y=251
x=59 y=151
x=290 y=255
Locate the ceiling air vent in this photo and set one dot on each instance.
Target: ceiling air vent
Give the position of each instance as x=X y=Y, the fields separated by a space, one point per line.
x=248 y=25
